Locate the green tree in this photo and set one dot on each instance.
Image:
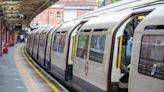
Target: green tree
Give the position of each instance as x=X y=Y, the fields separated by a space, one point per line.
x=114 y=1
x=101 y=3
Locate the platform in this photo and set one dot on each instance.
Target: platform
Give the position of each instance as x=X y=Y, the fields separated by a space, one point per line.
x=17 y=75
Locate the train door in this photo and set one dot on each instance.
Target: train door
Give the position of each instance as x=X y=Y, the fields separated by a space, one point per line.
x=81 y=57
x=48 y=46
x=60 y=49
x=72 y=45
x=32 y=44
x=42 y=42
x=123 y=51
x=147 y=72
x=28 y=43
x=89 y=58
x=97 y=57
x=37 y=45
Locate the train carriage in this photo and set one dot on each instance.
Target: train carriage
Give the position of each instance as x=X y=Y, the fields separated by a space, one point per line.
x=91 y=62
x=36 y=44
x=60 y=52
x=28 y=42
x=95 y=52
x=43 y=44
x=31 y=40
x=113 y=61
x=48 y=47
x=147 y=70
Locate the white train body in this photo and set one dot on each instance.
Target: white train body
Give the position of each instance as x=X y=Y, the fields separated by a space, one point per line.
x=115 y=49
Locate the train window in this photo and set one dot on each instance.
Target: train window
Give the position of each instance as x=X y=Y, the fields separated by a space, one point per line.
x=58 y=32
x=151 y=61
x=82 y=46
x=42 y=40
x=85 y=30
x=35 y=40
x=59 y=43
x=54 y=44
x=97 y=48
x=98 y=30
x=150 y=27
x=63 y=31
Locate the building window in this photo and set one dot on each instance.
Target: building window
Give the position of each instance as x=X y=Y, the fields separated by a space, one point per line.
x=58 y=15
x=50 y=14
x=97 y=48
x=151 y=61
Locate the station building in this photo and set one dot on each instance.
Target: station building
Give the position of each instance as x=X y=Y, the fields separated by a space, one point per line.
x=64 y=10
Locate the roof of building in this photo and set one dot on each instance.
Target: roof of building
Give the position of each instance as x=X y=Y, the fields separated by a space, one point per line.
x=77 y=2
x=22 y=11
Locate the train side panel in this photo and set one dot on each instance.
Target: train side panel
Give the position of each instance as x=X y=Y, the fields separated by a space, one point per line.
x=28 y=43
x=35 y=47
x=59 y=51
x=91 y=64
x=31 y=44
x=147 y=72
x=48 y=47
x=42 y=46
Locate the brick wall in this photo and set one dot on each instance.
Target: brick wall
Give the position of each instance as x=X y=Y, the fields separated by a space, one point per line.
x=53 y=18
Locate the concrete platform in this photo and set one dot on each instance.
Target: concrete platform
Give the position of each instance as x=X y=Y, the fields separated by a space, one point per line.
x=16 y=75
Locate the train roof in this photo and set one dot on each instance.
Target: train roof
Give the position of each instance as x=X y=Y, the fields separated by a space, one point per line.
x=153 y=21
x=34 y=31
x=67 y=26
x=119 y=6
x=40 y=30
x=106 y=22
x=54 y=29
x=47 y=29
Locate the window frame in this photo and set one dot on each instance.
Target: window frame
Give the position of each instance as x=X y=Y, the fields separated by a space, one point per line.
x=76 y=55
x=89 y=48
x=54 y=47
x=141 y=55
x=42 y=40
x=50 y=14
x=35 y=40
x=58 y=14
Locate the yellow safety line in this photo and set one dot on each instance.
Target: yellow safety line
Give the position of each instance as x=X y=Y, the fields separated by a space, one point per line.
x=25 y=76
x=120 y=52
x=50 y=84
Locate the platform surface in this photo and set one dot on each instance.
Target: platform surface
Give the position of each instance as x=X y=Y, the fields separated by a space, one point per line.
x=16 y=75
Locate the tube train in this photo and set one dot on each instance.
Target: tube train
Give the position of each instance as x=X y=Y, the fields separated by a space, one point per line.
x=116 y=48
